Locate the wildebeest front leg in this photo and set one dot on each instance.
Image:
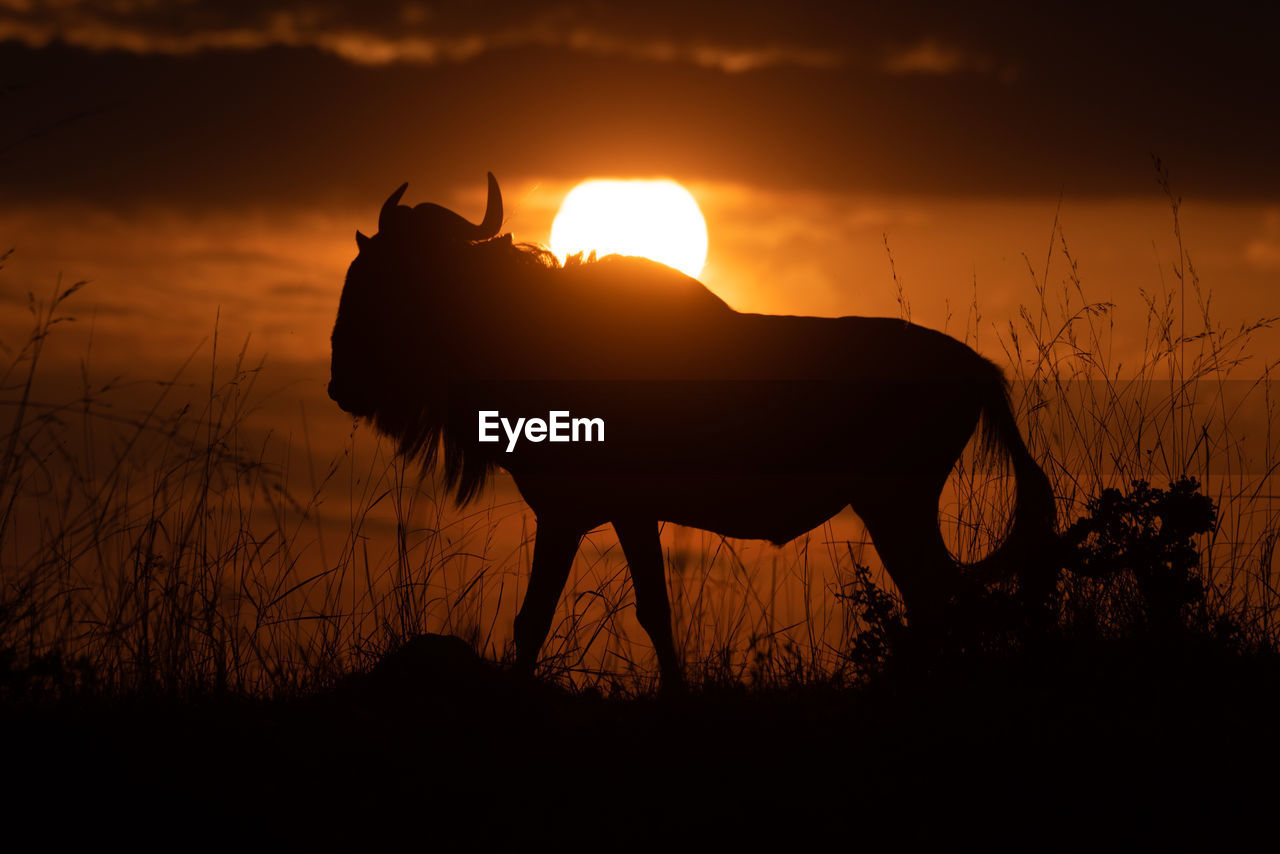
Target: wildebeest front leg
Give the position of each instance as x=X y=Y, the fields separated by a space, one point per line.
x=554 y=546
x=643 y=549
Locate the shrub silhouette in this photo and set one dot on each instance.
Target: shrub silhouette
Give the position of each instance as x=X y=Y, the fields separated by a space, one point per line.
x=1144 y=541
x=882 y=629
x=1135 y=572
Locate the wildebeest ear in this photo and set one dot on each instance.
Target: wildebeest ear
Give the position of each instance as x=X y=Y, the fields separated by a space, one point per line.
x=389 y=206
x=362 y=242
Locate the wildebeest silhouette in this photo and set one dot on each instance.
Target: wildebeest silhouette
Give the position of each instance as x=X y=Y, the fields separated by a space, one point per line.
x=747 y=425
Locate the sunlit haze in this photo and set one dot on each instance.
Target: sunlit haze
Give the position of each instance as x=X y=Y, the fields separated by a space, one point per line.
x=653 y=219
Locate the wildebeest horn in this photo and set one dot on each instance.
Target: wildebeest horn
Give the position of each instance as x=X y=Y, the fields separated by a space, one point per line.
x=492 y=221
x=389 y=205
x=439 y=220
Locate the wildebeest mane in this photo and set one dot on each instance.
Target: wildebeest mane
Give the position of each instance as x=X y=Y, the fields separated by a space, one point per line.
x=431 y=424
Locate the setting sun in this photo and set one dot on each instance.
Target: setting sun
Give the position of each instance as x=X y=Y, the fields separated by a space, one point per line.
x=653 y=219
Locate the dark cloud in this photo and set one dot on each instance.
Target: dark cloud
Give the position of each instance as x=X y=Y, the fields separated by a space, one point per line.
x=381 y=33
x=906 y=37
x=289 y=102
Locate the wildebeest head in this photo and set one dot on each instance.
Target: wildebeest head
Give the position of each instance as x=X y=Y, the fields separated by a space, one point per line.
x=404 y=278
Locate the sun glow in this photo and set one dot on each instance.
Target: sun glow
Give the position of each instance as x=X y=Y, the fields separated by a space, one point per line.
x=653 y=219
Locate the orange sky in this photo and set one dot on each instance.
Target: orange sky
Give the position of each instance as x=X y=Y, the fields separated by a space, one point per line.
x=276 y=272
x=211 y=154
x=209 y=163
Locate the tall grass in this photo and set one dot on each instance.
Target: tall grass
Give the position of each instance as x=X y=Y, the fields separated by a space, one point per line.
x=1193 y=402
x=175 y=545
x=170 y=546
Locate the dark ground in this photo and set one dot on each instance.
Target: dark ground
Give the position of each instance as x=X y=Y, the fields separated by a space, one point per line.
x=1116 y=746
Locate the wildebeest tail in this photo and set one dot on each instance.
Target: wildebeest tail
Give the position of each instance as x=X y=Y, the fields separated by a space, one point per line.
x=1029 y=548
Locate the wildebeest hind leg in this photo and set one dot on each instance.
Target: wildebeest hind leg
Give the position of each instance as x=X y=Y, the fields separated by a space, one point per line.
x=554 y=546
x=906 y=535
x=643 y=549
